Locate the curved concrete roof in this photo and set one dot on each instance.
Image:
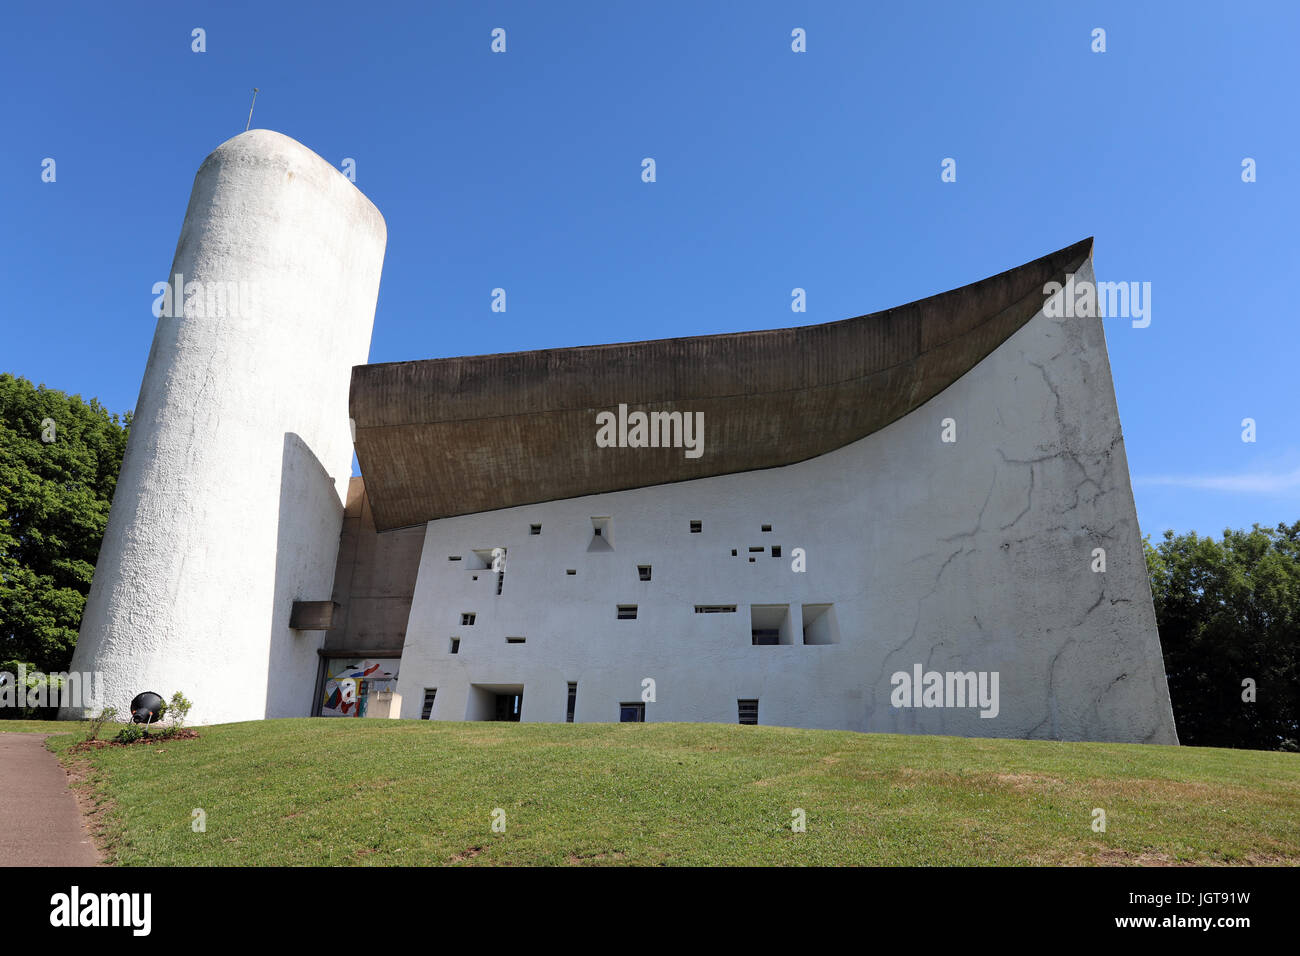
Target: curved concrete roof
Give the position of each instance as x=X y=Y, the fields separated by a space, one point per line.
x=454 y=436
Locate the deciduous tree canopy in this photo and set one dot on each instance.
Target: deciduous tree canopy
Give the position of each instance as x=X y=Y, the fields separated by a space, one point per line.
x=1229 y=614
x=59 y=459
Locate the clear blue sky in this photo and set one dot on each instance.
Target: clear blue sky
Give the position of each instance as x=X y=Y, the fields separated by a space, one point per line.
x=775 y=170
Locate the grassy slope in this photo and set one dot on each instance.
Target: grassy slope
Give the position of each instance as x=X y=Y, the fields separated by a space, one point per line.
x=410 y=792
x=79 y=727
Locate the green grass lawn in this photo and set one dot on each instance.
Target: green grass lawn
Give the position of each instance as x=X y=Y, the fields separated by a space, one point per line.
x=410 y=792
x=79 y=727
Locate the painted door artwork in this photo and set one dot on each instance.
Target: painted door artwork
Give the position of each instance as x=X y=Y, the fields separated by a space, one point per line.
x=350 y=682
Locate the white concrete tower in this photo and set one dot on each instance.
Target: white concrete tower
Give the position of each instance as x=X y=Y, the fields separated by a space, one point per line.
x=229 y=503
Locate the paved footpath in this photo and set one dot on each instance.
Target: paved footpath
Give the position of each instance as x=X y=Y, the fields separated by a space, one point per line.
x=40 y=824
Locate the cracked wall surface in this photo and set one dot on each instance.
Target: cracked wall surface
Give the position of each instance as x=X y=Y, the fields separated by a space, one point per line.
x=967 y=556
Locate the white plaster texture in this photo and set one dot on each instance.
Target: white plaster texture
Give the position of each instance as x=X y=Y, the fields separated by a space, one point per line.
x=229 y=503
x=970 y=556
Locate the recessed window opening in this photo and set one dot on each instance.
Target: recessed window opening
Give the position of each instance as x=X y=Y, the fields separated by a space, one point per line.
x=697 y=527
x=516 y=640
x=571 y=571
x=573 y=702
x=819 y=624
x=748 y=710
x=429 y=694
x=643 y=572
x=534 y=529
x=767 y=527
x=455 y=645
x=715 y=609
x=631 y=713
x=602 y=534
x=770 y=624
x=453 y=557
x=467 y=618
x=776 y=551
x=627 y=612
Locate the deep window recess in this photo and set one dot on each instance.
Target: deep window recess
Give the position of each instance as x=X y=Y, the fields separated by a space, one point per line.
x=631 y=713
x=602 y=534
x=748 y=711
x=627 y=612
x=429 y=694
x=776 y=551
x=767 y=527
x=573 y=702
x=453 y=557
x=516 y=640
x=769 y=624
x=570 y=571
x=466 y=618
x=455 y=645
x=643 y=572
x=534 y=529
x=715 y=609
x=696 y=527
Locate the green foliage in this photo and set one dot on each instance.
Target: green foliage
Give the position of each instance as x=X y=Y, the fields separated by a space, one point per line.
x=1229 y=611
x=129 y=734
x=179 y=709
x=106 y=716
x=54 y=501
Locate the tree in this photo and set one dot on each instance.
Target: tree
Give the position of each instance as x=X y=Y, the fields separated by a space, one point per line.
x=59 y=459
x=1229 y=613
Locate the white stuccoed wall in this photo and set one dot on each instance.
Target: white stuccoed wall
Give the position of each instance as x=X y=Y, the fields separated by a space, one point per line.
x=973 y=556
x=229 y=503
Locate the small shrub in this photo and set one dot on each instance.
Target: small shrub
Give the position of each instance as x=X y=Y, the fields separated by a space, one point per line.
x=179 y=709
x=106 y=716
x=129 y=734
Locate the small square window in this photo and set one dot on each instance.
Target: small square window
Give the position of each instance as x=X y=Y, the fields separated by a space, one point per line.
x=455 y=645
x=633 y=713
x=627 y=612
x=776 y=551
x=643 y=572
x=467 y=619
x=534 y=529
x=697 y=527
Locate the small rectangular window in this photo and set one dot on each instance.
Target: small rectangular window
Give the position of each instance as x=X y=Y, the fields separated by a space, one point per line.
x=534 y=529
x=631 y=713
x=748 y=711
x=733 y=552
x=429 y=694
x=627 y=612
x=467 y=619
x=758 y=550
x=571 y=571
x=643 y=572
x=767 y=527
x=573 y=702
x=455 y=645
x=715 y=609
x=697 y=527
x=516 y=640
x=453 y=557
